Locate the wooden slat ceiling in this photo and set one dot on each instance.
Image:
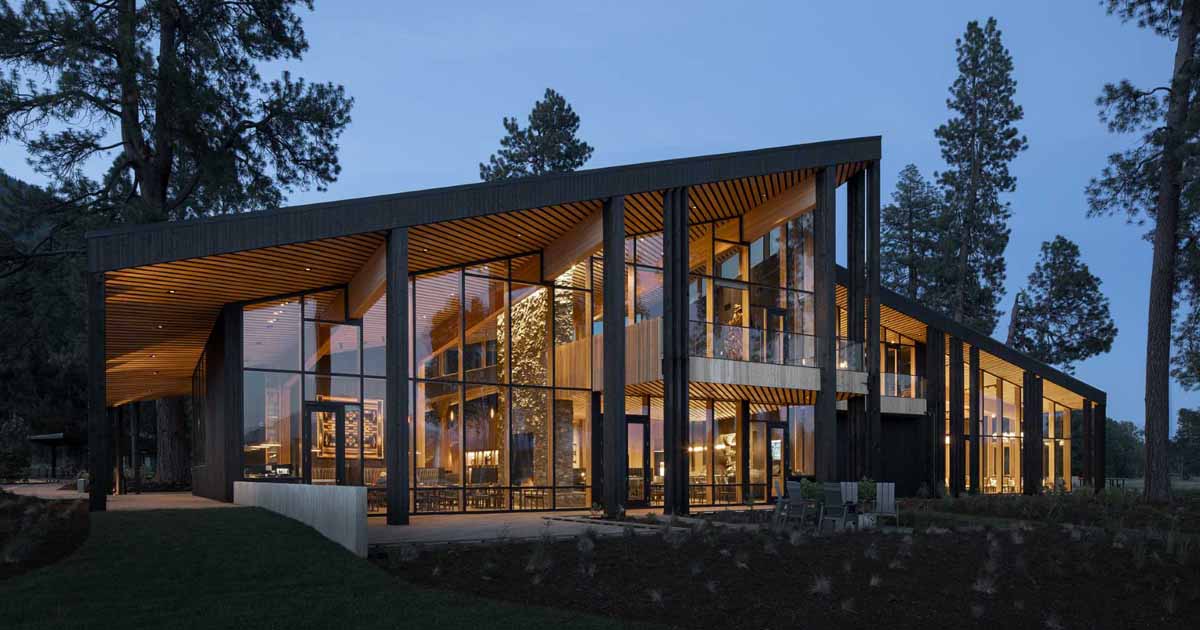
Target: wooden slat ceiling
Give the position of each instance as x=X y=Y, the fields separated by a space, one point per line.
x=494 y=236
x=725 y=391
x=155 y=337
x=159 y=317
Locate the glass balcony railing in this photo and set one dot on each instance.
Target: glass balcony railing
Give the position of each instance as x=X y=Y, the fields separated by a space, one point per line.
x=757 y=345
x=901 y=385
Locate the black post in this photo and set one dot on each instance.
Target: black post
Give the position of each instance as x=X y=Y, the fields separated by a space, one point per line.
x=856 y=407
x=675 y=349
x=1031 y=464
x=743 y=443
x=935 y=406
x=135 y=466
x=825 y=325
x=597 y=478
x=975 y=394
x=234 y=402
x=119 y=486
x=615 y=438
x=874 y=418
x=1099 y=426
x=1085 y=415
x=99 y=423
x=398 y=388
x=956 y=385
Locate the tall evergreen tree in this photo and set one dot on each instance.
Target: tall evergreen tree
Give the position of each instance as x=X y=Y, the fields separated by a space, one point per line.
x=548 y=145
x=1061 y=316
x=909 y=235
x=166 y=99
x=1157 y=182
x=977 y=143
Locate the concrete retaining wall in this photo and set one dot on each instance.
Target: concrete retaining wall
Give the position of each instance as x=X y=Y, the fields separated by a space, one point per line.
x=338 y=512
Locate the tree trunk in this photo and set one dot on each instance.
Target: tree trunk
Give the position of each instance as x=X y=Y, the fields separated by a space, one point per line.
x=174 y=447
x=1012 y=321
x=1162 y=273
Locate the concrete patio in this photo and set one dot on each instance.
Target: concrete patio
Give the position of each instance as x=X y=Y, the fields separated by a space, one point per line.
x=182 y=500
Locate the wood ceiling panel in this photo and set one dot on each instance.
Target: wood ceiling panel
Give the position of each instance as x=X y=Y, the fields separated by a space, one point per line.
x=159 y=317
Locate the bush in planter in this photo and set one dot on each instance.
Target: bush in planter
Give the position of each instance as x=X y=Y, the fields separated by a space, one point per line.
x=811 y=490
x=866 y=489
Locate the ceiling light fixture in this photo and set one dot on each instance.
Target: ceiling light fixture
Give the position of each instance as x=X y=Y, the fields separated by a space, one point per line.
x=308 y=268
x=160 y=326
x=171 y=291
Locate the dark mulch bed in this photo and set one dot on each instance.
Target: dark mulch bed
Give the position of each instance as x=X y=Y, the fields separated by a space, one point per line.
x=1112 y=509
x=35 y=532
x=712 y=577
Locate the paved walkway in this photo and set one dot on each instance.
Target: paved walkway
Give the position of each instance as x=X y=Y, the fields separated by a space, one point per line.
x=125 y=502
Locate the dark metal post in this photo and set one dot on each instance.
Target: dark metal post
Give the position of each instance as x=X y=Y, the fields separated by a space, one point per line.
x=233 y=397
x=743 y=443
x=615 y=438
x=135 y=465
x=856 y=407
x=935 y=406
x=956 y=385
x=975 y=392
x=825 y=325
x=398 y=387
x=1031 y=464
x=675 y=349
x=119 y=486
x=874 y=418
x=597 y=472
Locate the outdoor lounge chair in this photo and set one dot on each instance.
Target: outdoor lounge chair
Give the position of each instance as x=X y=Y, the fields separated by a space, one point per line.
x=792 y=506
x=835 y=508
x=885 y=503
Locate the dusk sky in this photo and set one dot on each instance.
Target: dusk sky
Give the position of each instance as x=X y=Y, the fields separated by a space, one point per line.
x=432 y=81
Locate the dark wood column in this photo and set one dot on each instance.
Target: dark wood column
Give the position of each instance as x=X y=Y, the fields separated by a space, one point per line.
x=615 y=438
x=935 y=408
x=233 y=397
x=1099 y=426
x=118 y=438
x=874 y=421
x=396 y=447
x=956 y=387
x=974 y=392
x=743 y=442
x=1031 y=444
x=825 y=325
x=675 y=350
x=856 y=407
x=1085 y=416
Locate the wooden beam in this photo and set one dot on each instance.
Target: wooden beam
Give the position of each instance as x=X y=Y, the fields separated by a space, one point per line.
x=581 y=241
x=675 y=349
x=368 y=284
x=825 y=325
x=99 y=420
x=398 y=387
x=615 y=437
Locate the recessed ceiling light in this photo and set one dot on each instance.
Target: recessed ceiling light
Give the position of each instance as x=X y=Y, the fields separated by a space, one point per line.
x=160 y=326
x=424 y=249
x=153 y=356
x=171 y=291
x=308 y=268
x=156 y=372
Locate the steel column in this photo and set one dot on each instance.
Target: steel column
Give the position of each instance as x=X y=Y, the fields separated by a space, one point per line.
x=874 y=420
x=935 y=405
x=396 y=447
x=856 y=407
x=1031 y=460
x=975 y=392
x=956 y=385
x=825 y=325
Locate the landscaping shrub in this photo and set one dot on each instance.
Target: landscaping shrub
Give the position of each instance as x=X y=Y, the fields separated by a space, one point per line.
x=36 y=532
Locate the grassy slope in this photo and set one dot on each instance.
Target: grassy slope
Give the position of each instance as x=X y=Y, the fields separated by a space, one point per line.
x=237 y=568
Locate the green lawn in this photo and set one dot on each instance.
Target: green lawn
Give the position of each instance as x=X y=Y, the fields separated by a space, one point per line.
x=238 y=568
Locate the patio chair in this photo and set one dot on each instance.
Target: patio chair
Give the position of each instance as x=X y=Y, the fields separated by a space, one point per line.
x=850 y=492
x=834 y=507
x=791 y=506
x=885 y=503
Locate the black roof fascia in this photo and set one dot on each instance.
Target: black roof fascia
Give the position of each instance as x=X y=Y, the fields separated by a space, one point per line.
x=984 y=342
x=134 y=246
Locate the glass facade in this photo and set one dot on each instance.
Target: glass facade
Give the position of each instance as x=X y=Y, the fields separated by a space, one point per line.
x=1056 y=446
x=898 y=366
x=502 y=387
x=313 y=393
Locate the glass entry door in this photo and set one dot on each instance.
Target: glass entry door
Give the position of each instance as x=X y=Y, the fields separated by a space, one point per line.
x=638 y=447
x=777 y=456
x=328 y=460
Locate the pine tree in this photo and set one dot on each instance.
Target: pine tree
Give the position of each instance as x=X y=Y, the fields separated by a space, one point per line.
x=977 y=144
x=1061 y=316
x=547 y=145
x=1156 y=182
x=909 y=235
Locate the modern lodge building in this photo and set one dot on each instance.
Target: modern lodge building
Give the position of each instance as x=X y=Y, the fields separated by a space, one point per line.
x=672 y=334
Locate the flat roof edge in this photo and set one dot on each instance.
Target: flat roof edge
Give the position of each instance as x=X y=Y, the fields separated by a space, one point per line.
x=138 y=245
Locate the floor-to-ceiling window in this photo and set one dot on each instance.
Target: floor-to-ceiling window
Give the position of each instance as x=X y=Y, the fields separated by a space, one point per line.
x=1000 y=432
x=898 y=366
x=314 y=392
x=502 y=387
x=1056 y=445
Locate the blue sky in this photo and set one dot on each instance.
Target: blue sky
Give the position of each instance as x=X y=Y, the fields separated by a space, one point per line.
x=432 y=81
